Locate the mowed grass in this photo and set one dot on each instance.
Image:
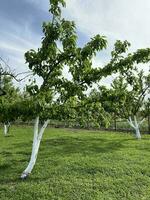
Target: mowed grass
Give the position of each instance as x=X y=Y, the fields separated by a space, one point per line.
x=75 y=165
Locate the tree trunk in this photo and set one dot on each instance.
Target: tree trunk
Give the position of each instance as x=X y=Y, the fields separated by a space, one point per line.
x=137 y=133
x=6 y=128
x=137 y=130
x=35 y=146
x=135 y=125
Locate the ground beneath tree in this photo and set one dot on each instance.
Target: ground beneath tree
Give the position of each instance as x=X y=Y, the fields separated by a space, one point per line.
x=75 y=165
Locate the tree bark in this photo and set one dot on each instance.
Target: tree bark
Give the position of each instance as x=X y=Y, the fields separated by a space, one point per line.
x=137 y=133
x=6 y=128
x=35 y=146
x=135 y=125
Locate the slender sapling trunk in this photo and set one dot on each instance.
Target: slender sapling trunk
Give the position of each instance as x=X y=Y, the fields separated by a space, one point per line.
x=6 y=128
x=35 y=146
x=135 y=125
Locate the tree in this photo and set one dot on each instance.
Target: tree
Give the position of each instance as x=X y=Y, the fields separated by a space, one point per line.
x=85 y=113
x=7 y=102
x=128 y=94
x=48 y=63
x=102 y=95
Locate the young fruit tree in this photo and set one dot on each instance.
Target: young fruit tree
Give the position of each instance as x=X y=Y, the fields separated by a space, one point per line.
x=128 y=94
x=58 y=49
x=7 y=102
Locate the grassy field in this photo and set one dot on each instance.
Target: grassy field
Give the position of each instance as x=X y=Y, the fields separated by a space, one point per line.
x=75 y=165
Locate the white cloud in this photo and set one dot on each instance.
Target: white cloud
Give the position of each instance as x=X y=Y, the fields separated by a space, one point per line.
x=116 y=19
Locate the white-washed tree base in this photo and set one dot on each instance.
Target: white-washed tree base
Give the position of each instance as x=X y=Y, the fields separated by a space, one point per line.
x=35 y=146
x=135 y=125
x=6 y=129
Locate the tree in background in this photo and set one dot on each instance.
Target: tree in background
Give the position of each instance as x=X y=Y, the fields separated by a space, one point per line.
x=7 y=102
x=84 y=113
x=128 y=95
x=102 y=95
x=146 y=112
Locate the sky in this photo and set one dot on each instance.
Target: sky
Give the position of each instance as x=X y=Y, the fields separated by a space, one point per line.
x=21 y=25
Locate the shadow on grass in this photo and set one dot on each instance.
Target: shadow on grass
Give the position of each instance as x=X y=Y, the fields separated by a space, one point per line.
x=10 y=135
x=6 y=153
x=59 y=147
x=70 y=146
x=11 y=181
x=66 y=146
x=4 y=166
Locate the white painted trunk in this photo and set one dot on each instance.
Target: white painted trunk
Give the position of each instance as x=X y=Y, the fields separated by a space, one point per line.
x=137 y=130
x=137 y=133
x=6 y=129
x=135 y=125
x=35 y=147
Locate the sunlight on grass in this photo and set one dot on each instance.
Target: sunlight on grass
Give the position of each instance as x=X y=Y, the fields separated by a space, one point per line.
x=75 y=165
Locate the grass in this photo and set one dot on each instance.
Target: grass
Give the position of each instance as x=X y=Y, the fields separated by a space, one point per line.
x=75 y=165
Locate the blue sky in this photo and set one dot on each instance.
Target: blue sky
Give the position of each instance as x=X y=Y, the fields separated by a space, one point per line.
x=21 y=21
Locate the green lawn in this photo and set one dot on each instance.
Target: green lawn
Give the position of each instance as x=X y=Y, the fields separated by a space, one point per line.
x=75 y=165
